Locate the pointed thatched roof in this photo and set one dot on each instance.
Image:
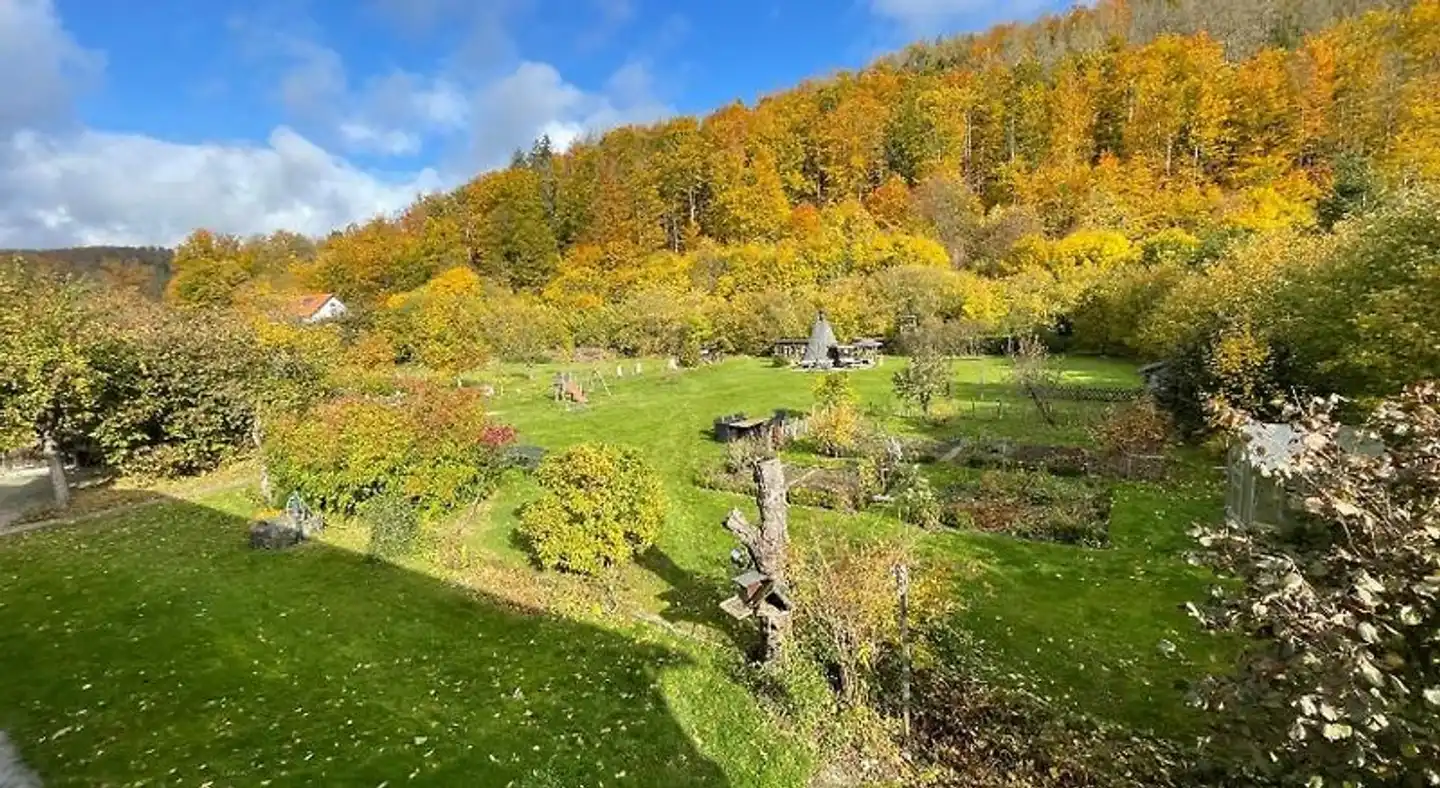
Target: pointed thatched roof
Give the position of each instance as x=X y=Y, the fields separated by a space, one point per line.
x=822 y=338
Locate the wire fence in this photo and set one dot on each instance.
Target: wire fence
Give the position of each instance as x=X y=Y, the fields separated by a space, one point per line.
x=1082 y=393
x=1062 y=392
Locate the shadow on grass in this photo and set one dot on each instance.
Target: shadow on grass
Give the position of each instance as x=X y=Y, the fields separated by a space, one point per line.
x=158 y=647
x=518 y=542
x=690 y=598
x=696 y=599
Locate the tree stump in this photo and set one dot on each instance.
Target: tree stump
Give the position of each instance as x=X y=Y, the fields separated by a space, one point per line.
x=768 y=547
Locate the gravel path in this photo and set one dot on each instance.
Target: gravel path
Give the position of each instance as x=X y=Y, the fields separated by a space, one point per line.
x=9 y=528
x=21 y=491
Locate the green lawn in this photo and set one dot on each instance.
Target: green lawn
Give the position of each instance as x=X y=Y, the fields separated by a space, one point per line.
x=157 y=648
x=1085 y=623
x=1088 y=627
x=155 y=639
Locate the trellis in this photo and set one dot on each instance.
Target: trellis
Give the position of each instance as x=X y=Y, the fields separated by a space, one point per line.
x=1083 y=393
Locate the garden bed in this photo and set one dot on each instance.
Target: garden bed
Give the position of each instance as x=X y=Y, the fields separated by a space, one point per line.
x=1057 y=460
x=825 y=487
x=1030 y=505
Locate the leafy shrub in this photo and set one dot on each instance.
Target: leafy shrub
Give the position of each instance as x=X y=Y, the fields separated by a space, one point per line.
x=364 y=381
x=692 y=339
x=870 y=478
x=601 y=505
x=825 y=498
x=1139 y=427
x=371 y=349
x=836 y=430
x=741 y=455
x=923 y=379
x=432 y=445
x=833 y=388
x=848 y=595
x=394 y=526
x=1036 y=487
x=1339 y=684
x=880 y=457
x=180 y=397
x=918 y=504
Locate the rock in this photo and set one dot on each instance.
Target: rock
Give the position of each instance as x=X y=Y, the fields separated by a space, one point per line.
x=311 y=526
x=275 y=534
x=13 y=771
x=525 y=457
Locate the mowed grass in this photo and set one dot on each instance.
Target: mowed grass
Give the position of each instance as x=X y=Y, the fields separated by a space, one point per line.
x=153 y=647
x=1092 y=629
x=156 y=648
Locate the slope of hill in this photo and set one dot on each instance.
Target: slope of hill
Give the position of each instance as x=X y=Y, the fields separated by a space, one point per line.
x=999 y=184
x=145 y=268
x=1242 y=27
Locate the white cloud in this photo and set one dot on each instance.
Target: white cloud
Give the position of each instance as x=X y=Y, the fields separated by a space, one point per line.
x=44 y=67
x=428 y=104
x=535 y=99
x=101 y=188
x=61 y=185
x=316 y=81
x=390 y=142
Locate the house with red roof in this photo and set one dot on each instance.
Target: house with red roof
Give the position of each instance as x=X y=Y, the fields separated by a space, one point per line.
x=317 y=308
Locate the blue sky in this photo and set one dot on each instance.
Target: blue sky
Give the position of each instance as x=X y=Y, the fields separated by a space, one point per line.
x=135 y=122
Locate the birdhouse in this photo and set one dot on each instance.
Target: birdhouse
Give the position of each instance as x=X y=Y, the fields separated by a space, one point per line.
x=753 y=585
x=754 y=589
x=736 y=608
x=779 y=597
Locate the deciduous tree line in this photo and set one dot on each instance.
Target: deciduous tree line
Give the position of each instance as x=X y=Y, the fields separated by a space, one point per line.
x=1111 y=190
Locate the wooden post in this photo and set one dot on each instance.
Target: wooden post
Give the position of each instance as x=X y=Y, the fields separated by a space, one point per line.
x=258 y=436
x=768 y=548
x=902 y=591
x=57 y=472
x=1041 y=405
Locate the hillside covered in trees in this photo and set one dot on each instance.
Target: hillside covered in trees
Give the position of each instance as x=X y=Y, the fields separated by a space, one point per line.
x=141 y=268
x=1253 y=199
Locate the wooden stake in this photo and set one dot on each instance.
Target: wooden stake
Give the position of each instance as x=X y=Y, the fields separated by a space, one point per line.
x=902 y=591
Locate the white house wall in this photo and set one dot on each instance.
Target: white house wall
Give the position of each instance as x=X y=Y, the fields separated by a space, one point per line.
x=329 y=310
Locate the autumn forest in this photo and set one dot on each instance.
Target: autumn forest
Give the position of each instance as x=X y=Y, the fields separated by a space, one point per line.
x=1145 y=198
x=1106 y=254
